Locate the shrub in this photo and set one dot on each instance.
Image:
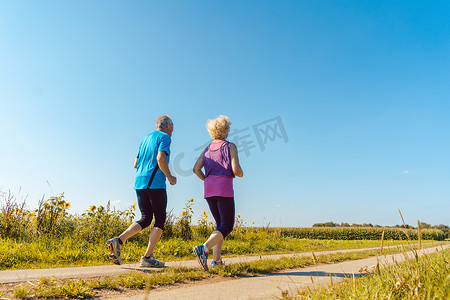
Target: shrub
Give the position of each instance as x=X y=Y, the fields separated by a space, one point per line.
x=15 y=219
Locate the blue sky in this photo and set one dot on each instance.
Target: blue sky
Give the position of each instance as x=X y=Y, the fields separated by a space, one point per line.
x=361 y=88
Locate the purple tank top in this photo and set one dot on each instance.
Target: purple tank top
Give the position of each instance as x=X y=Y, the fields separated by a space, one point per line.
x=218 y=172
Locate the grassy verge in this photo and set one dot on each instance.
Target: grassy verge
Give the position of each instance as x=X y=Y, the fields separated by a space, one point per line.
x=85 y=288
x=426 y=277
x=52 y=253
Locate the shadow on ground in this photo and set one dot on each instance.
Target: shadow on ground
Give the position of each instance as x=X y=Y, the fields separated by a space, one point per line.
x=146 y=270
x=318 y=274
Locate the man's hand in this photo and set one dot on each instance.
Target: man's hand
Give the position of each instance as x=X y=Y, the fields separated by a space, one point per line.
x=172 y=180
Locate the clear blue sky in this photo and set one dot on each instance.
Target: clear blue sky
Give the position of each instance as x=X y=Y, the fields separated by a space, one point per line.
x=361 y=87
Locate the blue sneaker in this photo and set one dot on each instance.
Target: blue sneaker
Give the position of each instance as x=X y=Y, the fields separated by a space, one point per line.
x=202 y=256
x=216 y=263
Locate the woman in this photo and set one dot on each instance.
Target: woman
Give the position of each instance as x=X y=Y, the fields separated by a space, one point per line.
x=221 y=162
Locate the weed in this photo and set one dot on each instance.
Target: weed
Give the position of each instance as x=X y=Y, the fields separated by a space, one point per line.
x=20 y=292
x=424 y=278
x=70 y=289
x=45 y=280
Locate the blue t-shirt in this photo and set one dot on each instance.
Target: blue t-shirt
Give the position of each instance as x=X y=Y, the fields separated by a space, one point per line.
x=148 y=151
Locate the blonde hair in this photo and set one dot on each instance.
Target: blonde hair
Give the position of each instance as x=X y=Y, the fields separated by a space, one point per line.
x=162 y=121
x=219 y=128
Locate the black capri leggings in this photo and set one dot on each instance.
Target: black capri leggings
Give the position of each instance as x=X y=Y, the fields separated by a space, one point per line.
x=222 y=209
x=151 y=202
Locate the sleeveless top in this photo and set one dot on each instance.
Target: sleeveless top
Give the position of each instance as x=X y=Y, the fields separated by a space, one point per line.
x=218 y=172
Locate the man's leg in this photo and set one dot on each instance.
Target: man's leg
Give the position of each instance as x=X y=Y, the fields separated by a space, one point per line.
x=155 y=235
x=132 y=230
x=144 y=204
x=115 y=245
x=158 y=200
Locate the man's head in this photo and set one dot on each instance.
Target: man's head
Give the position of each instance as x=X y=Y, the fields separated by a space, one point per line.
x=164 y=123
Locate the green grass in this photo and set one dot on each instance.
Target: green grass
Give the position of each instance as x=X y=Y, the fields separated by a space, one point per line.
x=85 y=288
x=426 y=277
x=20 y=292
x=52 y=252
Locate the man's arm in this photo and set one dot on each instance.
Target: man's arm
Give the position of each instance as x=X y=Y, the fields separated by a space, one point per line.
x=135 y=163
x=164 y=166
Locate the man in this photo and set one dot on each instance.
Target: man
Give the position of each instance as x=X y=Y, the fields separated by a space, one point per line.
x=152 y=169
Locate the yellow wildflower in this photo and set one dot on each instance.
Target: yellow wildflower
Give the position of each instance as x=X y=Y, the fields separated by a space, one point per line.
x=210 y=223
x=239 y=216
x=134 y=206
x=93 y=208
x=67 y=205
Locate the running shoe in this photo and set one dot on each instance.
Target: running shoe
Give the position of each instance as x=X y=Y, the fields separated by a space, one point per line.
x=114 y=249
x=216 y=263
x=152 y=262
x=202 y=256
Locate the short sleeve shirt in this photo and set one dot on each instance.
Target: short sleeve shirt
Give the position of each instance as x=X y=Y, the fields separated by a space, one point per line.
x=147 y=154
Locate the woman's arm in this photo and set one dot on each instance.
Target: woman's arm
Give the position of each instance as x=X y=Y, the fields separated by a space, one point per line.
x=235 y=166
x=198 y=167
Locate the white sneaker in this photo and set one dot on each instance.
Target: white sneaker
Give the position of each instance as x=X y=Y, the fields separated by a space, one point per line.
x=114 y=249
x=152 y=262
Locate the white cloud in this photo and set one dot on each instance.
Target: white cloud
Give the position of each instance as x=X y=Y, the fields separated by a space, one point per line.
x=278 y=205
x=405 y=172
x=115 y=202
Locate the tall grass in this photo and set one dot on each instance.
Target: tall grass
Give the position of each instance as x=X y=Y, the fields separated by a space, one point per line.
x=50 y=236
x=52 y=220
x=426 y=277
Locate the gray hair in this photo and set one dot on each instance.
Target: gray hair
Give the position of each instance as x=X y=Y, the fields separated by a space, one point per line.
x=219 y=128
x=162 y=121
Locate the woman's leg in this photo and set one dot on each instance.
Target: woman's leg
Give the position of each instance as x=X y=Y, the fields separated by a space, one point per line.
x=224 y=207
x=217 y=250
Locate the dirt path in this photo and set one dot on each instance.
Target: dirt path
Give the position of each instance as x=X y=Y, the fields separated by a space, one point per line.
x=14 y=276
x=270 y=286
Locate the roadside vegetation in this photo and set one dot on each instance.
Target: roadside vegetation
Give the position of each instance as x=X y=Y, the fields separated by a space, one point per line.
x=47 y=288
x=49 y=236
x=425 y=277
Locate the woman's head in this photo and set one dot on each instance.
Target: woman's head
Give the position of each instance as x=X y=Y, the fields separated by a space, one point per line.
x=219 y=128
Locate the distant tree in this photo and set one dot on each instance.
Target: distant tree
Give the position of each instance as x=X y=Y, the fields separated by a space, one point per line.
x=424 y=225
x=326 y=224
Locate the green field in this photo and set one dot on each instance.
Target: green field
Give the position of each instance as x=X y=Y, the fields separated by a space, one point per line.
x=51 y=237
